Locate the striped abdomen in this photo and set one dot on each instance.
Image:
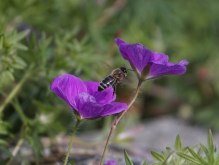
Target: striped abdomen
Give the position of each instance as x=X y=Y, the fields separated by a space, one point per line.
x=109 y=80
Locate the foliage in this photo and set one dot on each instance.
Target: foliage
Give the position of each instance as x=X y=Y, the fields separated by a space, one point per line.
x=197 y=155
x=40 y=40
x=9 y=44
x=128 y=160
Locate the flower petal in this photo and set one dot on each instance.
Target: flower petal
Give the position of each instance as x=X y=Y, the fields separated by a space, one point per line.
x=103 y=97
x=111 y=162
x=147 y=64
x=157 y=69
x=119 y=43
x=68 y=87
x=160 y=58
x=137 y=54
x=113 y=108
x=87 y=107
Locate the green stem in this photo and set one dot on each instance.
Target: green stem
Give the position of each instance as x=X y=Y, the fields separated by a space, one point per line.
x=116 y=121
x=16 y=149
x=18 y=108
x=71 y=141
x=16 y=89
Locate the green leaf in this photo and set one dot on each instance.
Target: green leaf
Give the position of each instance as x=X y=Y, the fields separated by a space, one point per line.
x=9 y=74
x=199 y=151
x=71 y=162
x=157 y=164
x=216 y=160
x=3 y=142
x=20 y=46
x=20 y=63
x=20 y=35
x=4 y=128
x=6 y=151
x=169 y=149
x=164 y=154
x=197 y=157
x=178 y=144
x=210 y=146
x=145 y=163
x=184 y=149
x=157 y=156
x=188 y=158
x=205 y=151
x=3 y=26
x=210 y=141
x=169 y=158
x=127 y=159
x=3 y=131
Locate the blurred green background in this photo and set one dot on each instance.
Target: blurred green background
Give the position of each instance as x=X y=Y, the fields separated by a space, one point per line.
x=77 y=37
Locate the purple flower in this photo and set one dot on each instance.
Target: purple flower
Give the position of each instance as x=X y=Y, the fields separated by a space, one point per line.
x=148 y=64
x=84 y=98
x=111 y=162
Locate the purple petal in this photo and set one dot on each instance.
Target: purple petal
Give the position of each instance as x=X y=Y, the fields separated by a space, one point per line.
x=160 y=58
x=111 y=162
x=184 y=62
x=103 y=97
x=120 y=42
x=87 y=107
x=113 y=108
x=158 y=69
x=68 y=87
x=137 y=54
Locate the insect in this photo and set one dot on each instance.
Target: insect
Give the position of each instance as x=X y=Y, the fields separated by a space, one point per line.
x=114 y=78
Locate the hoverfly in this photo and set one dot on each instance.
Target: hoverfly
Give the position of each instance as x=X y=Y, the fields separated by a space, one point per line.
x=114 y=78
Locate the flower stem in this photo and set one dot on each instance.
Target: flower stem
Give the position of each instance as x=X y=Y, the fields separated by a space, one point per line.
x=16 y=89
x=116 y=121
x=71 y=141
x=16 y=149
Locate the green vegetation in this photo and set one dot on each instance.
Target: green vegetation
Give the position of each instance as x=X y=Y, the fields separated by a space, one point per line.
x=40 y=40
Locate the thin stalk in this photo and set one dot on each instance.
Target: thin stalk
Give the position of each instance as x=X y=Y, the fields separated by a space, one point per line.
x=71 y=141
x=18 y=108
x=16 y=89
x=16 y=149
x=116 y=121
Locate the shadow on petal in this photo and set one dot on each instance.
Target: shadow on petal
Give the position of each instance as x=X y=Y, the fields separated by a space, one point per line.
x=103 y=97
x=87 y=106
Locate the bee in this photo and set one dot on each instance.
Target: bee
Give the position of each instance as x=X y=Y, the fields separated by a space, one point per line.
x=114 y=78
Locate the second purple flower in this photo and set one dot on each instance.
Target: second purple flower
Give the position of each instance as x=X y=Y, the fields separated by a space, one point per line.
x=148 y=64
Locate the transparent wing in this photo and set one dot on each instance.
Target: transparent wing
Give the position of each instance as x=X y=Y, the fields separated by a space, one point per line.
x=103 y=70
